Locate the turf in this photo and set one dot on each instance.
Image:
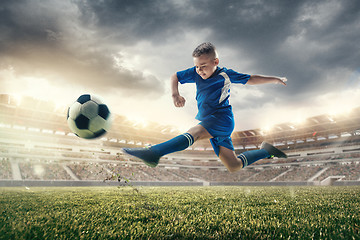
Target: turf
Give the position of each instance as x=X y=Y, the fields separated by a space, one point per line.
x=180 y=213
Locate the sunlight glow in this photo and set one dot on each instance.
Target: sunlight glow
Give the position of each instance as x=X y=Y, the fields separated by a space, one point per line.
x=266 y=129
x=298 y=121
x=18 y=99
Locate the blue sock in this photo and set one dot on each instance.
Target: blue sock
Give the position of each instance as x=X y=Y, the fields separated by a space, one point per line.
x=176 y=144
x=250 y=157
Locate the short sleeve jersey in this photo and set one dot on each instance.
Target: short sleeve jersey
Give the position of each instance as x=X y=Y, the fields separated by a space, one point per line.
x=212 y=94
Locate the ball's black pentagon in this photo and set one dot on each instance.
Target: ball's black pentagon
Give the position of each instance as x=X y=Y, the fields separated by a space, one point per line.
x=99 y=133
x=104 y=111
x=84 y=98
x=68 y=111
x=82 y=122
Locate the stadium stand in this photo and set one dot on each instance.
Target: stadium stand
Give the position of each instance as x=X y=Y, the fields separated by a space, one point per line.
x=36 y=145
x=5 y=169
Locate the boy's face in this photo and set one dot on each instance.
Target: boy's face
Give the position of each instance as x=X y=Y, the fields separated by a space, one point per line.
x=205 y=65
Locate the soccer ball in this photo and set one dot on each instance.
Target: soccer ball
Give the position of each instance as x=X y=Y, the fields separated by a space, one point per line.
x=89 y=117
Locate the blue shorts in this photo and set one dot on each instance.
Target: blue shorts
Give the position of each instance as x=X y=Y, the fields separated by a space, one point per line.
x=220 y=126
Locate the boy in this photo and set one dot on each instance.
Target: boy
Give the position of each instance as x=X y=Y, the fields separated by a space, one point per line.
x=214 y=112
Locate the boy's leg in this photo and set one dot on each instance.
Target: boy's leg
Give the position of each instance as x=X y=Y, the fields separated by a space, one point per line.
x=229 y=159
x=266 y=151
x=234 y=163
x=199 y=132
x=151 y=155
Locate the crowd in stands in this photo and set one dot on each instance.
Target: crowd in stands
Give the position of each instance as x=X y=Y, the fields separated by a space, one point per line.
x=40 y=170
x=350 y=171
x=88 y=170
x=35 y=144
x=130 y=172
x=5 y=169
x=301 y=173
x=42 y=161
x=122 y=171
x=54 y=163
x=324 y=144
x=268 y=174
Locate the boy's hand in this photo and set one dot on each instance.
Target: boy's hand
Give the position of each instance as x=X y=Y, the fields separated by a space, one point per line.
x=178 y=100
x=282 y=81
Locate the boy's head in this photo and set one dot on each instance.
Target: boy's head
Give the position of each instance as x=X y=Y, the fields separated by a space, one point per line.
x=205 y=59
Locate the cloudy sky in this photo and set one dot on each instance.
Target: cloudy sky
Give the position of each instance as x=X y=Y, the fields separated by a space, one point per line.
x=126 y=50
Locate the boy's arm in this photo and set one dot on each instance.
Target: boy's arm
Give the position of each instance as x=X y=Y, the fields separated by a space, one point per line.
x=178 y=100
x=258 y=79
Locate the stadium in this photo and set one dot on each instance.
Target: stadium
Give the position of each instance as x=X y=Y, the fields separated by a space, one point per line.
x=38 y=149
x=56 y=185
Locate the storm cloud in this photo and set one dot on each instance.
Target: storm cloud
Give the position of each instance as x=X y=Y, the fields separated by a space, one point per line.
x=52 y=40
x=132 y=47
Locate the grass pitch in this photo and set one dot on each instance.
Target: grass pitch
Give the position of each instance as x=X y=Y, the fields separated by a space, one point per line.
x=180 y=213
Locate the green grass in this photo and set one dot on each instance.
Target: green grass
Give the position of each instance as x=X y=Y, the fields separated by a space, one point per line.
x=180 y=212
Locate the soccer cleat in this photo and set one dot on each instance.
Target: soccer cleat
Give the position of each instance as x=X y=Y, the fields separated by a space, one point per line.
x=145 y=154
x=273 y=151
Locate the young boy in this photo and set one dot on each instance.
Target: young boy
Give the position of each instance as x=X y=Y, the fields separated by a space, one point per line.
x=214 y=112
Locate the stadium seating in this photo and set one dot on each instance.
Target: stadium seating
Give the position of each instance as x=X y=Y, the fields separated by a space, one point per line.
x=35 y=144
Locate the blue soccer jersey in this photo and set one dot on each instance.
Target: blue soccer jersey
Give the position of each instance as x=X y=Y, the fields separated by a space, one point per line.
x=212 y=94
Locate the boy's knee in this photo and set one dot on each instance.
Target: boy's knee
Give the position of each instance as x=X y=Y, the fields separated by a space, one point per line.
x=199 y=132
x=235 y=167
